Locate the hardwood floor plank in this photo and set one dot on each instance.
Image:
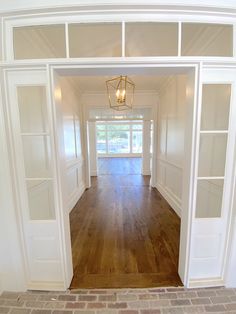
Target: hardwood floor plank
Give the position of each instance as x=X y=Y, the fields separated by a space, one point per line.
x=124 y=234
x=136 y=280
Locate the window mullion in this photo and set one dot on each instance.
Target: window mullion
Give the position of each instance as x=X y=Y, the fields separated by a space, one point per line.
x=106 y=140
x=131 y=139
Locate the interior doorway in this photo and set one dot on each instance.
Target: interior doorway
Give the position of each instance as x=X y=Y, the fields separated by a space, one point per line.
x=125 y=232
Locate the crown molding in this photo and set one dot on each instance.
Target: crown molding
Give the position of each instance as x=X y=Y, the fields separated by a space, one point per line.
x=27 y=7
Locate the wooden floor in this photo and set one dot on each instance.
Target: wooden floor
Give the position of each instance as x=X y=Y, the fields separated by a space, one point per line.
x=119 y=166
x=124 y=234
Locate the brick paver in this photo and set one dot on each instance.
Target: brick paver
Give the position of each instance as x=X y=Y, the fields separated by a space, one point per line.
x=169 y=300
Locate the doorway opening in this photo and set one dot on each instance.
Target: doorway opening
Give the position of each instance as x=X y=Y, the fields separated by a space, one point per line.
x=119 y=149
x=125 y=223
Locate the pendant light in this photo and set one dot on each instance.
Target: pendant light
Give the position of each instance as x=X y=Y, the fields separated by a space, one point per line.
x=120 y=92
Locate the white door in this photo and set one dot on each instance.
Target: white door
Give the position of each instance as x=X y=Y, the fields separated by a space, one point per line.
x=213 y=177
x=33 y=155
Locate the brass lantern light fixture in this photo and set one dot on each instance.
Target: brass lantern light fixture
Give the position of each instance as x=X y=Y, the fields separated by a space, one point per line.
x=120 y=92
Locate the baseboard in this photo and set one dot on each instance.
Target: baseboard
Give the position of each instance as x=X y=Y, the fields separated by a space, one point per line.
x=73 y=199
x=146 y=172
x=205 y=282
x=47 y=286
x=171 y=199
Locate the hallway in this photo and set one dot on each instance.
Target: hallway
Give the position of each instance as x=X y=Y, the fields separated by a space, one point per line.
x=124 y=234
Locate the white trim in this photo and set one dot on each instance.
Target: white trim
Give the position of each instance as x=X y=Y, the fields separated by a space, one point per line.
x=210 y=178
x=179 y=38
x=188 y=176
x=75 y=196
x=123 y=39
x=172 y=200
x=146 y=172
x=164 y=161
x=50 y=286
x=114 y=16
x=154 y=67
x=214 y=132
x=67 y=40
x=39 y=179
x=36 y=134
x=128 y=155
x=57 y=166
x=206 y=282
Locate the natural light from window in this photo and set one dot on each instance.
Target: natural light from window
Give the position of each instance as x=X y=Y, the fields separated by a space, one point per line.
x=119 y=138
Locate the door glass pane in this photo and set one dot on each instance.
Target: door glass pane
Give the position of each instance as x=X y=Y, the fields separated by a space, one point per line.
x=209 y=198
x=95 y=40
x=137 y=142
x=39 y=42
x=101 y=142
x=212 y=155
x=207 y=40
x=32 y=108
x=215 y=106
x=151 y=39
x=41 y=200
x=37 y=156
x=118 y=142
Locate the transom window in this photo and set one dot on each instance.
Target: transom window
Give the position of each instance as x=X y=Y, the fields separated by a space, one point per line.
x=103 y=39
x=119 y=138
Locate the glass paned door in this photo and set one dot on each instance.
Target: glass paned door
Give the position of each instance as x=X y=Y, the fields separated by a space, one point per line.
x=33 y=155
x=213 y=176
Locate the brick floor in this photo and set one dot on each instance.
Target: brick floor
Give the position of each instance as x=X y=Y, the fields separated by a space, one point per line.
x=121 y=301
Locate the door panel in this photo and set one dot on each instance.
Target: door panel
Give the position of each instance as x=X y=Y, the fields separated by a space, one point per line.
x=36 y=180
x=213 y=180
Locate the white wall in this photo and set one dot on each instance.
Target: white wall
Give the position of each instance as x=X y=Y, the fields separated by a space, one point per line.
x=141 y=100
x=92 y=148
x=73 y=143
x=146 y=162
x=170 y=144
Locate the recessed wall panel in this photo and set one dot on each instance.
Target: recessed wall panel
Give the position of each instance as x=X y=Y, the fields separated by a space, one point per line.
x=41 y=200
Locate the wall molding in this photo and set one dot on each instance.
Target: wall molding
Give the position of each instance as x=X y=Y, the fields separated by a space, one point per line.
x=171 y=198
x=129 y=155
x=75 y=196
x=194 y=8
x=170 y=163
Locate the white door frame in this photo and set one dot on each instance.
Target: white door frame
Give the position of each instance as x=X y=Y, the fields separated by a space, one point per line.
x=142 y=68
